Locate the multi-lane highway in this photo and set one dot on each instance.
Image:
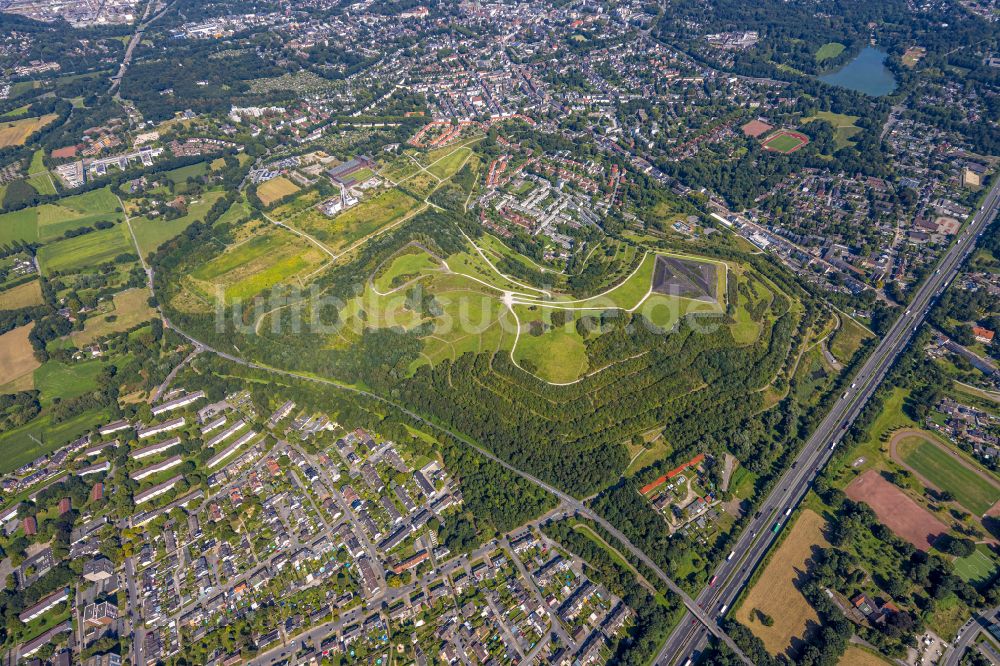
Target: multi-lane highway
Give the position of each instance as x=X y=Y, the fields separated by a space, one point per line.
x=761 y=532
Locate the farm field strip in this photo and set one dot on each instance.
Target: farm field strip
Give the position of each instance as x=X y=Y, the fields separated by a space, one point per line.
x=84 y=251
x=775 y=593
x=17 y=357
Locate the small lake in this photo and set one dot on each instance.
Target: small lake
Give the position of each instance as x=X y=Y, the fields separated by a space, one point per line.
x=867 y=73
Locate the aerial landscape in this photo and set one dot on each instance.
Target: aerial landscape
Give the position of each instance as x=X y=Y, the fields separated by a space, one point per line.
x=557 y=332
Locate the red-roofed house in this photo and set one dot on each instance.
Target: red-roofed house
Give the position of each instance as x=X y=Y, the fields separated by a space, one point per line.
x=983 y=335
x=30 y=526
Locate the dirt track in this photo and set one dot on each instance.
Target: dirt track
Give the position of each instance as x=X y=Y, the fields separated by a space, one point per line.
x=899 y=513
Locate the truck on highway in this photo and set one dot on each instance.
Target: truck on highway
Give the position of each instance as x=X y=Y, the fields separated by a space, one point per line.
x=788 y=511
x=777 y=527
x=731 y=556
x=722 y=609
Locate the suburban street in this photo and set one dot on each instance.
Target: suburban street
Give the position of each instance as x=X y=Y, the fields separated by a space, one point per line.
x=759 y=535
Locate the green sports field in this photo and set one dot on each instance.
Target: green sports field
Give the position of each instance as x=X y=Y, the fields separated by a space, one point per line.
x=783 y=143
x=977 y=568
x=949 y=473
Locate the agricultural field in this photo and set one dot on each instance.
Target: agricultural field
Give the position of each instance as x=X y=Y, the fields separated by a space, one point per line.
x=84 y=252
x=151 y=233
x=130 y=308
x=49 y=222
x=275 y=189
x=855 y=656
x=21 y=296
x=16 y=132
x=972 y=487
x=774 y=593
x=17 y=358
x=38 y=176
x=829 y=50
x=844 y=127
x=785 y=141
x=247 y=268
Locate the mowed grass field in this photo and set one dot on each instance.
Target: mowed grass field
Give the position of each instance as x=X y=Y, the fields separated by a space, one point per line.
x=131 y=307
x=21 y=296
x=84 y=252
x=844 y=127
x=17 y=358
x=774 y=592
x=275 y=189
x=449 y=164
x=947 y=471
x=49 y=222
x=403 y=268
x=56 y=379
x=829 y=50
x=248 y=268
x=558 y=355
x=151 y=233
x=14 y=133
x=977 y=568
